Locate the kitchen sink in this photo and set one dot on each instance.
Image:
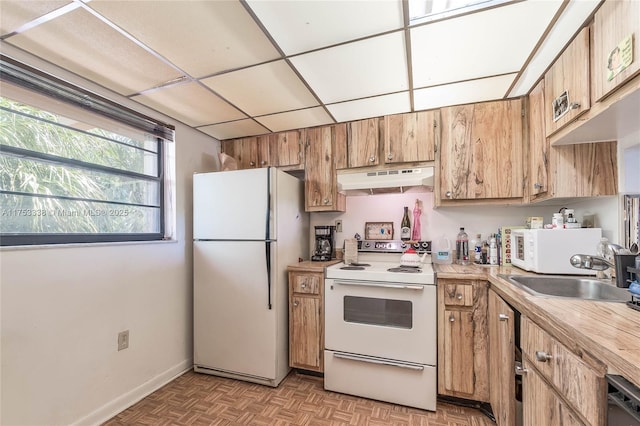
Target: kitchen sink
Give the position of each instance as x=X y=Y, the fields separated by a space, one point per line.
x=569 y=287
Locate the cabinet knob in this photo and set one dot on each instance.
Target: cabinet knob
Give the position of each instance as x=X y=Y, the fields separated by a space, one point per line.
x=503 y=317
x=389 y=156
x=326 y=201
x=520 y=370
x=252 y=163
x=303 y=285
x=262 y=163
x=574 y=105
x=537 y=185
x=452 y=318
x=372 y=159
x=459 y=296
x=295 y=303
x=448 y=194
x=542 y=356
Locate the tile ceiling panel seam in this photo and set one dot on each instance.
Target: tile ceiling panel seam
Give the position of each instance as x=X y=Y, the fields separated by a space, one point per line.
x=284 y=56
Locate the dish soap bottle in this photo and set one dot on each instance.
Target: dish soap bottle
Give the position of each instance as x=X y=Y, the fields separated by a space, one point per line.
x=462 y=247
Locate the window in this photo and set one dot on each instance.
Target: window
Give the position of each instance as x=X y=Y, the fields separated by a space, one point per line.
x=75 y=167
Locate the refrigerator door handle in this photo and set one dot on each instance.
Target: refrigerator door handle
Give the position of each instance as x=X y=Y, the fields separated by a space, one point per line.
x=268 y=238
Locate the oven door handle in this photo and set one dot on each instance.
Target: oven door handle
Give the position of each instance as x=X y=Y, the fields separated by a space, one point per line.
x=381 y=284
x=414 y=367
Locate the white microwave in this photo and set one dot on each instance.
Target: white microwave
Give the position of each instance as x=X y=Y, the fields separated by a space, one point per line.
x=547 y=251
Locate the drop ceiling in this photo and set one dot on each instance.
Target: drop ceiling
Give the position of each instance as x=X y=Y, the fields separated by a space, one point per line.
x=243 y=68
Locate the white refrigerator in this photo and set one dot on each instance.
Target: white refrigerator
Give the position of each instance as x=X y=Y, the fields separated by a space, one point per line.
x=248 y=226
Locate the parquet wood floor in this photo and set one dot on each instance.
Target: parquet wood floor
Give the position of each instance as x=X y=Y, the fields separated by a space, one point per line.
x=199 y=399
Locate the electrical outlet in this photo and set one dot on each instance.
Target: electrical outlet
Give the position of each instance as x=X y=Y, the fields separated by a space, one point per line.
x=338 y=226
x=123 y=340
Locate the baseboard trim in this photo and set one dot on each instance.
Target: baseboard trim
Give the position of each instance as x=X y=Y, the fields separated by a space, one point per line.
x=126 y=400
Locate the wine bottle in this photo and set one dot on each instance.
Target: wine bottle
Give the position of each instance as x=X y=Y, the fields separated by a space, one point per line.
x=405 y=226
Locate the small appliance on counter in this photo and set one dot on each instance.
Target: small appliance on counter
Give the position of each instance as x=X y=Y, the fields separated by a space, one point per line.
x=325 y=242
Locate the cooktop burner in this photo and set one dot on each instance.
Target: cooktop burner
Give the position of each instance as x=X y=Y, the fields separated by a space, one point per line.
x=405 y=269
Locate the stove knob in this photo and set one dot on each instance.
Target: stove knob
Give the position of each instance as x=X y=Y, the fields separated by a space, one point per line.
x=424 y=244
x=416 y=245
x=403 y=245
x=367 y=244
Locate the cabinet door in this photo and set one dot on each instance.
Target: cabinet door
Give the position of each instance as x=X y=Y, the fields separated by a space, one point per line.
x=502 y=360
x=305 y=349
x=541 y=405
x=538 y=144
x=263 y=152
x=410 y=137
x=613 y=23
x=566 y=84
x=320 y=171
x=246 y=150
x=286 y=148
x=481 y=151
x=462 y=339
x=363 y=142
x=585 y=170
x=458 y=343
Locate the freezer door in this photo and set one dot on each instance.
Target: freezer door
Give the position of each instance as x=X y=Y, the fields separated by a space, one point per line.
x=234 y=205
x=234 y=329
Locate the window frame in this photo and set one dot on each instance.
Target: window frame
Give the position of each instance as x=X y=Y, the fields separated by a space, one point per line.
x=44 y=84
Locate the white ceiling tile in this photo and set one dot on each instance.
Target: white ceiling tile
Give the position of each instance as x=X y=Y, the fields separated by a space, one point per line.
x=299 y=26
x=263 y=89
x=16 y=13
x=190 y=103
x=83 y=44
x=491 y=42
x=572 y=17
x=485 y=89
x=200 y=37
x=296 y=119
x=365 y=68
x=371 y=107
x=234 y=129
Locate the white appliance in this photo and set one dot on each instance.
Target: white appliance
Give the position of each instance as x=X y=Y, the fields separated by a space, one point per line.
x=380 y=328
x=248 y=226
x=547 y=251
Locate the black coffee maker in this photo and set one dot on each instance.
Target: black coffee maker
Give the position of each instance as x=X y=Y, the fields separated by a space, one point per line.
x=325 y=242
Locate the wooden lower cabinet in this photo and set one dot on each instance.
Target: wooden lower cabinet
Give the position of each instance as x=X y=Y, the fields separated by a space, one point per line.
x=502 y=360
x=541 y=405
x=306 y=320
x=559 y=384
x=462 y=339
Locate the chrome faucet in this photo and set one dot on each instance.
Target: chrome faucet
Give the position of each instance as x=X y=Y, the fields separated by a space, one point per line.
x=596 y=263
x=586 y=261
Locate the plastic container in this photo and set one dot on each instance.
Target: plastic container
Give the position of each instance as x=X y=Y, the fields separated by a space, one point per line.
x=602 y=250
x=557 y=222
x=462 y=248
x=477 y=249
x=493 y=251
x=441 y=251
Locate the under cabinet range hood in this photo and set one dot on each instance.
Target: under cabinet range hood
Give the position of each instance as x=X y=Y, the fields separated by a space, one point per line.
x=417 y=179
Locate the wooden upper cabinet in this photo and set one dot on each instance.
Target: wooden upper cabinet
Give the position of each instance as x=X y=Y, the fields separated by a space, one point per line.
x=411 y=137
x=285 y=149
x=320 y=183
x=363 y=139
x=246 y=152
x=480 y=155
x=613 y=23
x=538 y=143
x=566 y=84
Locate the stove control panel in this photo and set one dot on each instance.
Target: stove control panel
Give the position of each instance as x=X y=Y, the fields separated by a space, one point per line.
x=393 y=246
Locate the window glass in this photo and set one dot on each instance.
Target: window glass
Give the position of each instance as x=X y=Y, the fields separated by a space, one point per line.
x=71 y=176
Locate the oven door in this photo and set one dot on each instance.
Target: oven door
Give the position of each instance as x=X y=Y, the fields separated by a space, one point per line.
x=382 y=319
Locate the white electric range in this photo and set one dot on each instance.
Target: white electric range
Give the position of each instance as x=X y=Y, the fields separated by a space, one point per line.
x=380 y=327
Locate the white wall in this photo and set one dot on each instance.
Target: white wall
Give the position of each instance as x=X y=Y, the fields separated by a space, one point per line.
x=447 y=220
x=62 y=308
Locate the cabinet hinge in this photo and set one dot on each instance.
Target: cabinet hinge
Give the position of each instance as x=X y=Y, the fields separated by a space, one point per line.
x=523 y=112
x=435 y=123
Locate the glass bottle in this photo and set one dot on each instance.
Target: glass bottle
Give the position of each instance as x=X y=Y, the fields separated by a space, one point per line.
x=405 y=226
x=462 y=247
